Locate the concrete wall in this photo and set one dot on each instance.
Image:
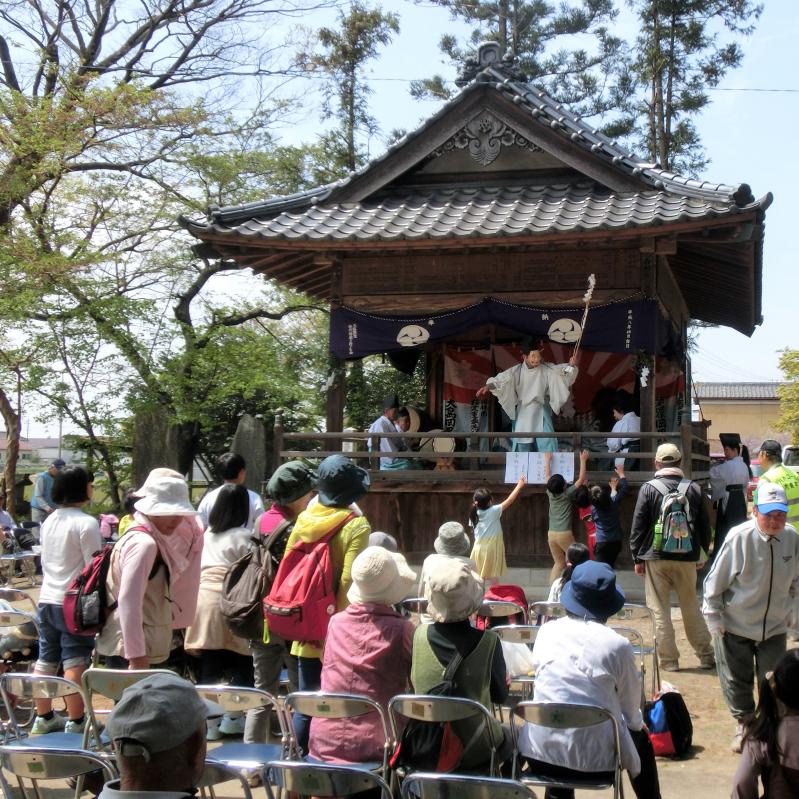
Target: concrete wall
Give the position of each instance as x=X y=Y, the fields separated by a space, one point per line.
x=753 y=419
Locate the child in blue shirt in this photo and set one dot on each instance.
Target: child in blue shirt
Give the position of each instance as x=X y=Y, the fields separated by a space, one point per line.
x=605 y=502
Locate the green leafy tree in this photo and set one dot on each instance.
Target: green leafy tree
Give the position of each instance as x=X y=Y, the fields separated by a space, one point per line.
x=789 y=394
x=539 y=35
x=344 y=53
x=684 y=48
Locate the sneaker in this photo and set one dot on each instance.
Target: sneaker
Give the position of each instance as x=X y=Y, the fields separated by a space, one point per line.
x=41 y=725
x=707 y=663
x=213 y=733
x=75 y=726
x=232 y=725
x=670 y=666
x=737 y=744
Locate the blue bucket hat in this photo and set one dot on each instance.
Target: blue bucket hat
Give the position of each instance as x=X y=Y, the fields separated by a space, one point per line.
x=341 y=482
x=592 y=592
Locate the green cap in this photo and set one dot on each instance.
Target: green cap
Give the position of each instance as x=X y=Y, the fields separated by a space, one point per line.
x=290 y=481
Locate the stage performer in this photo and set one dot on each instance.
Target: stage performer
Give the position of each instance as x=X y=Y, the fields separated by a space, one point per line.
x=531 y=393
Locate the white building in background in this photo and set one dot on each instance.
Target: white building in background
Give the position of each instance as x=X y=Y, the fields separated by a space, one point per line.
x=36 y=454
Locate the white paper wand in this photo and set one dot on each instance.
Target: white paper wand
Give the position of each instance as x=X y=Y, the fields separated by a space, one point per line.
x=587 y=300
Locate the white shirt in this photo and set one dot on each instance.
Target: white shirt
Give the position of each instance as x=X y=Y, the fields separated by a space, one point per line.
x=584 y=662
x=223 y=549
x=729 y=473
x=384 y=425
x=6 y=520
x=207 y=502
x=69 y=539
x=629 y=423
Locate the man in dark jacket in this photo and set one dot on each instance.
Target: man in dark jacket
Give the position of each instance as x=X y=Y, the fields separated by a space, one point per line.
x=665 y=572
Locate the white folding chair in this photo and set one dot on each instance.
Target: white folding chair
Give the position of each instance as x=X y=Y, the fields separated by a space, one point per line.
x=421 y=785
x=633 y=612
x=242 y=755
x=319 y=704
x=321 y=779
x=34 y=764
x=440 y=709
x=521 y=684
x=30 y=687
x=558 y=715
x=109 y=684
x=543 y=611
x=501 y=608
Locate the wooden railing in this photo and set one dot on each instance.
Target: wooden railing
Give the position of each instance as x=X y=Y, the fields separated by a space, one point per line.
x=471 y=462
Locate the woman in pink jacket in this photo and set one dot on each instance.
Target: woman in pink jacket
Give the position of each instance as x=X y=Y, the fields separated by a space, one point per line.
x=367 y=652
x=154 y=575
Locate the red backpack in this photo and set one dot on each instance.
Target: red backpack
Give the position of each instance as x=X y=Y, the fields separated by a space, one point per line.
x=86 y=605
x=302 y=599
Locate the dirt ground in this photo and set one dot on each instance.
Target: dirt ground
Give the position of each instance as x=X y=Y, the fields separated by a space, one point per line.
x=707 y=772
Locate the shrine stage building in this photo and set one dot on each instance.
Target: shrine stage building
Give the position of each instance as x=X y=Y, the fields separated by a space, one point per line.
x=477 y=229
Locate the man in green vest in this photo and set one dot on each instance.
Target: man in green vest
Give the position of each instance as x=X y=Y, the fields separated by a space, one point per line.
x=775 y=472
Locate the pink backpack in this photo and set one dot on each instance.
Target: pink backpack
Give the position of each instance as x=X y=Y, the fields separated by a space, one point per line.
x=302 y=599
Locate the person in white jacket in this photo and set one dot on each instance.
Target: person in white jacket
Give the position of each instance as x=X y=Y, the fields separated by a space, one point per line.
x=748 y=597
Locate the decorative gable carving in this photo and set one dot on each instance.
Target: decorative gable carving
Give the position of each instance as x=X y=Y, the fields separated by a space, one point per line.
x=484 y=136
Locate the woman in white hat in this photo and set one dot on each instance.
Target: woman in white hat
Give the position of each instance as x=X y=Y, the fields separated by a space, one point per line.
x=154 y=575
x=367 y=652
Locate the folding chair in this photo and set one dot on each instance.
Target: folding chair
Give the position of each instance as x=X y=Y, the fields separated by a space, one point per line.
x=17 y=661
x=217 y=773
x=30 y=687
x=318 y=704
x=241 y=755
x=500 y=608
x=425 y=707
x=18 y=595
x=416 y=604
x=632 y=612
x=557 y=715
x=421 y=785
x=321 y=779
x=543 y=611
x=34 y=764
x=637 y=642
x=521 y=684
x=110 y=683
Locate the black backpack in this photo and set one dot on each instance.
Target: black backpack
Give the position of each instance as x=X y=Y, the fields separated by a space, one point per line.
x=669 y=723
x=431 y=745
x=249 y=580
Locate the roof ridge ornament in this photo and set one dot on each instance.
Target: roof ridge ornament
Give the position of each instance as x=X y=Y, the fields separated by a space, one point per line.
x=489 y=55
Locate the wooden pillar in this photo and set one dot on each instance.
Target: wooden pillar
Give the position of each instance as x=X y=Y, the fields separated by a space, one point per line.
x=278 y=437
x=687 y=445
x=336 y=373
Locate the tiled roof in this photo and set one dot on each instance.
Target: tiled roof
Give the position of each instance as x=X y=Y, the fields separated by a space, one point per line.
x=737 y=391
x=483 y=211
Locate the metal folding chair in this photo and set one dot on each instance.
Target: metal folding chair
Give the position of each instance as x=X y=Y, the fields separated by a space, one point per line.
x=543 y=611
x=637 y=642
x=34 y=764
x=19 y=662
x=30 y=687
x=217 y=773
x=558 y=715
x=318 y=704
x=501 y=608
x=421 y=785
x=321 y=779
x=521 y=684
x=14 y=595
x=110 y=683
x=632 y=612
x=241 y=755
x=425 y=707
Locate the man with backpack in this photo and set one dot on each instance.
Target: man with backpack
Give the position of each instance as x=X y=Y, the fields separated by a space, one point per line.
x=749 y=595
x=670 y=534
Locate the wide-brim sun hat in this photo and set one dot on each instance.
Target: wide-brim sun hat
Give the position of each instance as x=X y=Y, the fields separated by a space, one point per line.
x=380 y=577
x=452 y=540
x=341 y=482
x=592 y=593
x=454 y=591
x=165 y=495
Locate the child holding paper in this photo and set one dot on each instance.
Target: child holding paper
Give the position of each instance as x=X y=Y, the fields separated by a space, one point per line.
x=488 y=552
x=559 y=533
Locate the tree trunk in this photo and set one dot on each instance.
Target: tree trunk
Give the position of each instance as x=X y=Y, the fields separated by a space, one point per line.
x=13 y=430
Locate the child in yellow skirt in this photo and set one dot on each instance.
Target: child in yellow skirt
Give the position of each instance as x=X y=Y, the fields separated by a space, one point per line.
x=488 y=552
